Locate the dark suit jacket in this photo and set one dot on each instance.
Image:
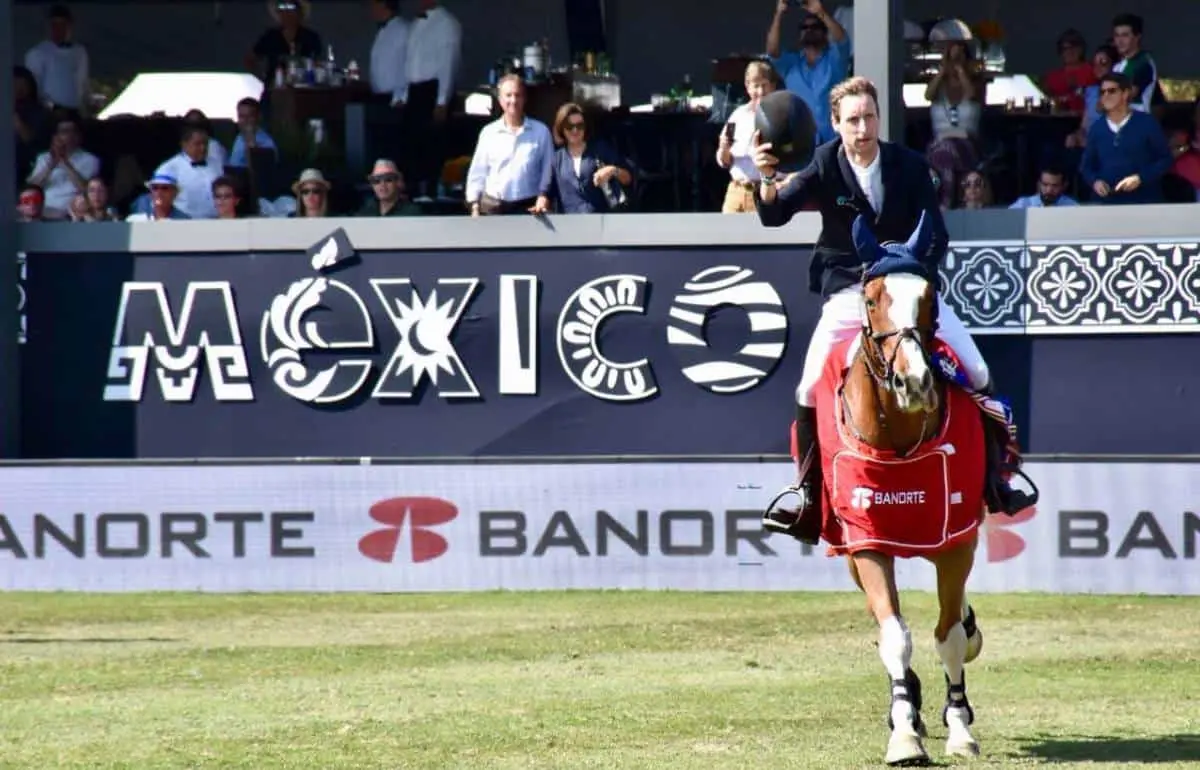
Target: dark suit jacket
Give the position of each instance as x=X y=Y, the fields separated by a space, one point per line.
x=576 y=194
x=829 y=180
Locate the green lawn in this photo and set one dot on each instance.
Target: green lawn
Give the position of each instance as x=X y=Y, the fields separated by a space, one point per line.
x=574 y=680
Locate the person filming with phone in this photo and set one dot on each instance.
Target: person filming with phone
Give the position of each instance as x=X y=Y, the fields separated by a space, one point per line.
x=734 y=151
x=819 y=61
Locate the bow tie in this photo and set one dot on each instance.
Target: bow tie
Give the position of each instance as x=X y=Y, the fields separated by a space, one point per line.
x=199 y=163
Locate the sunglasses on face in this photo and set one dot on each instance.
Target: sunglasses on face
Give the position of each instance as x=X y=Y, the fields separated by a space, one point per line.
x=1109 y=91
x=311 y=191
x=383 y=178
x=575 y=126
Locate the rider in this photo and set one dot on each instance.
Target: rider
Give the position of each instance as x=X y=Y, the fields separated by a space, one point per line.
x=891 y=186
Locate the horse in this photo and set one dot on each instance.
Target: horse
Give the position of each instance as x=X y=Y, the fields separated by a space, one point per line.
x=904 y=473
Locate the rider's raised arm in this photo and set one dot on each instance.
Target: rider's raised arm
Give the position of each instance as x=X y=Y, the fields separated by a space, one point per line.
x=927 y=200
x=789 y=197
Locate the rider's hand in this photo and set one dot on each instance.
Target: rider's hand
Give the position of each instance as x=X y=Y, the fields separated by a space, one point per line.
x=764 y=161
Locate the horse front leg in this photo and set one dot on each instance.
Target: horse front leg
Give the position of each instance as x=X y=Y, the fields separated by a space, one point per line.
x=953 y=646
x=875 y=574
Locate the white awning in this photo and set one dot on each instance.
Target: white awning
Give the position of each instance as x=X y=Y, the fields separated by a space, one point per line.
x=216 y=94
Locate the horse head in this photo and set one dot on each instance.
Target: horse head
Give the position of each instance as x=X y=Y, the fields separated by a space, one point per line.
x=899 y=314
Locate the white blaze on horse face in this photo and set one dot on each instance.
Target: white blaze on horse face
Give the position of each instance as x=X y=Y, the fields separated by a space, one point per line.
x=905 y=292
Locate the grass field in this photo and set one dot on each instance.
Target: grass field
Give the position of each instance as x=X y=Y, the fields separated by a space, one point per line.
x=574 y=680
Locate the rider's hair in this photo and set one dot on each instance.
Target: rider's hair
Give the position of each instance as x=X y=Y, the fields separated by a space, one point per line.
x=855 y=86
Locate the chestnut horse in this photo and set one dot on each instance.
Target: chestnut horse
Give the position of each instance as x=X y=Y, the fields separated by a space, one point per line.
x=883 y=394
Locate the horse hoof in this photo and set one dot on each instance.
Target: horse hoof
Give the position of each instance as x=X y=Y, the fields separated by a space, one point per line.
x=962 y=746
x=959 y=741
x=906 y=750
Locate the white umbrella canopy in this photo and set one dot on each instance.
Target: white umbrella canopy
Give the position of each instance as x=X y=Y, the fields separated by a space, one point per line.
x=216 y=94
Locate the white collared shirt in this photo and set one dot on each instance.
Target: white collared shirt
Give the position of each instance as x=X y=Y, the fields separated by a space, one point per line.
x=511 y=164
x=61 y=72
x=743 y=169
x=59 y=189
x=195 y=185
x=434 y=50
x=389 y=57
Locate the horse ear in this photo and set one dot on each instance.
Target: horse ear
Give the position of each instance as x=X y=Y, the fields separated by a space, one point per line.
x=864 y=240
x=921 y=238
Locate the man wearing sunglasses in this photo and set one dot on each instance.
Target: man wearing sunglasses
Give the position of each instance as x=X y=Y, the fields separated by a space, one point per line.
x=820 y=62
x=1127 y=154
x=390 y=197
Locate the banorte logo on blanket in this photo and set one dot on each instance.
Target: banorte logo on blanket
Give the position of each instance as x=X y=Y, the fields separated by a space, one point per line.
x=318 y=336
x=864 y=497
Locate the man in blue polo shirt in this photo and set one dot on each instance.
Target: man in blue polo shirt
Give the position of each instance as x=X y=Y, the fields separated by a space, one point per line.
x=820 y=63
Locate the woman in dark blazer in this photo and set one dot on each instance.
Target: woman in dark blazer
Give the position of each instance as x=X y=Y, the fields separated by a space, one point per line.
x=586 y=177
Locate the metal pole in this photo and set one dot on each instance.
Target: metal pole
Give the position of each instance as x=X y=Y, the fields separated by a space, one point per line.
x=10 y=394
x=879 y=56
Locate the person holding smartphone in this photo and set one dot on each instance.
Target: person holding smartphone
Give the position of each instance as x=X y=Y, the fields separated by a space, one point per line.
x=734 y=150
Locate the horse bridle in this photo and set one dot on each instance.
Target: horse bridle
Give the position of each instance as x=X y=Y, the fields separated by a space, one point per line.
x=882 y=368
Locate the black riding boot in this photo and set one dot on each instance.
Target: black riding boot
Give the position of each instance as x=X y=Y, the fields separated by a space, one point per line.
x=999 y=495
x=803 y=522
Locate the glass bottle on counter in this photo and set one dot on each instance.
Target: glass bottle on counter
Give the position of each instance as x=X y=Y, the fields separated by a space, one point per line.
x=685 y=93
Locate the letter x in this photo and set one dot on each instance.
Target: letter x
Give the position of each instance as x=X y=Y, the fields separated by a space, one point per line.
x=425 y=324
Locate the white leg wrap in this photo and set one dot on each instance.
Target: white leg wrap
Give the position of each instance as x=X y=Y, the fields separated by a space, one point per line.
x=953 y=653
x=895 y=646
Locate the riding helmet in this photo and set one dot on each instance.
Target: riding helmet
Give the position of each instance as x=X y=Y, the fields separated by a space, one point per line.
x=783 y=119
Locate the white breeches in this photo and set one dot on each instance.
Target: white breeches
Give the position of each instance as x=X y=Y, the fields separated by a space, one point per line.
x=841 y=319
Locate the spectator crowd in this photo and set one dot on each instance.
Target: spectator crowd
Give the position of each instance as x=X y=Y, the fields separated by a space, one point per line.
x=1120 y=152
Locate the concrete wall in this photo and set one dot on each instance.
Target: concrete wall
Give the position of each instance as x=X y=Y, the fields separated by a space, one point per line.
x=1082 y=225
x=656 y=42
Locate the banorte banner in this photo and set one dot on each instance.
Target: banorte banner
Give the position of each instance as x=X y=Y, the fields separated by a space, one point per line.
x=1099 y=528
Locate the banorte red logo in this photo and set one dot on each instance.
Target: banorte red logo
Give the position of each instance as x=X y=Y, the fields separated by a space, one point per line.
x=414 y=515
x=1003 y=544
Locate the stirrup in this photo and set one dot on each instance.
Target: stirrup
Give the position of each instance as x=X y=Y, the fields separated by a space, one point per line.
x=1010 y=501
x=794 y=522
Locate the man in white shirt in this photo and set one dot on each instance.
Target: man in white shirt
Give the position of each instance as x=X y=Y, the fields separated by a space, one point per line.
x=65 y=170
x=193 y=173
x=510 y=171
x=389 y=52
x=734 y=147
x=60 y=65
x=434 y=51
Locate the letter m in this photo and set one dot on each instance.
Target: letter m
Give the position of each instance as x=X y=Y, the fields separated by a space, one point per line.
x=207 y=322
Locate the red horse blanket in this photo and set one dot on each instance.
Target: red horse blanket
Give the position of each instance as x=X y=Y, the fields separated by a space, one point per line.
x=902 y=506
